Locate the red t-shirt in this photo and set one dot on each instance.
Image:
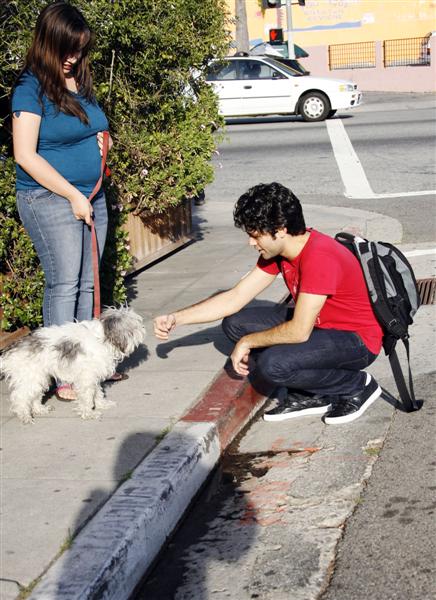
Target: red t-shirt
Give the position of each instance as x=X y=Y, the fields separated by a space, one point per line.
x=325 y=267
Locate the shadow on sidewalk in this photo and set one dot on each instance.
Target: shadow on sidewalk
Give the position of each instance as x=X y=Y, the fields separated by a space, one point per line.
x=220 y=528
x=140 y=355
x=206 y=335
x=199 y=338
x=92 y=550
x=200 y=226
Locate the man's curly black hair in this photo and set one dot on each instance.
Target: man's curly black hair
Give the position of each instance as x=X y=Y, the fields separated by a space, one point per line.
x=267 y=207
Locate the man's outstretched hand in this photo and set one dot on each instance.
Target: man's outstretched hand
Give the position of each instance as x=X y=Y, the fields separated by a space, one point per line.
x=239 y=358
x=163 y=325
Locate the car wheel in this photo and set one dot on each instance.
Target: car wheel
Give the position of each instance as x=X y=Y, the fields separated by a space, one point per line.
x=314 y=106
x=331 y=114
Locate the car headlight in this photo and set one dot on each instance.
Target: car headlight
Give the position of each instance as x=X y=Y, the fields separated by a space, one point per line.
x=346 y=87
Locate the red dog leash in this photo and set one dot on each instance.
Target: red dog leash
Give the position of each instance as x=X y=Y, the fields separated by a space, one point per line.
x=94 y=244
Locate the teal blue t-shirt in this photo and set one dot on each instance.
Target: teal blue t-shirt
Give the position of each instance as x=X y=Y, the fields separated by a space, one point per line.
x=66 y=143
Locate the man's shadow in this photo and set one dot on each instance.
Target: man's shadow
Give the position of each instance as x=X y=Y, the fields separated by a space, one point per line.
x=209 y=335
x=193 y=544
x=206 y=335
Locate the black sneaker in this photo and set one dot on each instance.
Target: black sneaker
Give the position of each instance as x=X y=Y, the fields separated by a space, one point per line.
x=297 y=405
x=345 y=410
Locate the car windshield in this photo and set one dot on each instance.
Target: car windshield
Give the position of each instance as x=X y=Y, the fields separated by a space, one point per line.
x=283 y=67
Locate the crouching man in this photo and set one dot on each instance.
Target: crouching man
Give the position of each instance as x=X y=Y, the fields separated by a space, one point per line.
x=316 y=349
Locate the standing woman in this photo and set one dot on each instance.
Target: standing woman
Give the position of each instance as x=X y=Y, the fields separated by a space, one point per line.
x=57 y=135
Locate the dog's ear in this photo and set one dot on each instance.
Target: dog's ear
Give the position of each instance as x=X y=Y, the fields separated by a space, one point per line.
x=115 y=330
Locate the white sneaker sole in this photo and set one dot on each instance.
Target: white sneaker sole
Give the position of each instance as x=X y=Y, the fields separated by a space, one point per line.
x=307 y=412
x=355 y=415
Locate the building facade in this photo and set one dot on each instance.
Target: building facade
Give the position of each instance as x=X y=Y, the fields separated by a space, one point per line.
x=371 y=36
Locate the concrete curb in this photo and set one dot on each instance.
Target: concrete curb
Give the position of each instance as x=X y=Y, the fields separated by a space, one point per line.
x=113 y=551
x=229 y=404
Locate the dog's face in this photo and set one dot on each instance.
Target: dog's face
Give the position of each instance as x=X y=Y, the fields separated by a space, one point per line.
x=123 y=328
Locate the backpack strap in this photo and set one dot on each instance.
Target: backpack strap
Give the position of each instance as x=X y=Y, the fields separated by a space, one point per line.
x=408 y=398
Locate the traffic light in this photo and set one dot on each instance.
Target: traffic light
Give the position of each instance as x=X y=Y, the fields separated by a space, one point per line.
x=302 y=2
x=271 y=4
x=276 y=36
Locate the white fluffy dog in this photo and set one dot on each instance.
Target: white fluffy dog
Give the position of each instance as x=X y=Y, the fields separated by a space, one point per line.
x=83 y=354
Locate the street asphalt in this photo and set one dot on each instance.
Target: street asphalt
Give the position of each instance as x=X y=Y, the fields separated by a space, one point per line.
x=63 y=476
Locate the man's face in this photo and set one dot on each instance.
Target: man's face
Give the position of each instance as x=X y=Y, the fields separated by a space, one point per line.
x=266 y=244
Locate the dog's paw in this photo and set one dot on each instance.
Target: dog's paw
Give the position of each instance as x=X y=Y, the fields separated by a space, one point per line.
x=25 y=418
x=104 y=404
x=88 y=413
x=42 y=409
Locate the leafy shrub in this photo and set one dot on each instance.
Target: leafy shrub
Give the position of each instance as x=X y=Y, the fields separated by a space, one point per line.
x=148 y=64
x=22 y=288
x=149 y=61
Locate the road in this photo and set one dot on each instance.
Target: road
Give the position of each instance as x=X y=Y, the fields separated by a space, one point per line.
x=393 y=141
x=302 y=511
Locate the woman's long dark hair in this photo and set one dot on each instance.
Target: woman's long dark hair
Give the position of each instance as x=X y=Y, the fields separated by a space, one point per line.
x=61 y=31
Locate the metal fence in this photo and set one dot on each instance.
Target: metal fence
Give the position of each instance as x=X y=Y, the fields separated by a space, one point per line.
x=396 y=53
x=352 y=56
x=406 y=52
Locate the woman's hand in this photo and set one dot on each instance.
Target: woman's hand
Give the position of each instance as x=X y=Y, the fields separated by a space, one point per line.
x=100 y=142
x=81 y=208
x=25 y=136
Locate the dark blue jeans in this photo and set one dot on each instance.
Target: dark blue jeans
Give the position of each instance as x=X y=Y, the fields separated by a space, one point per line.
x=329 y=363
x=63 y=245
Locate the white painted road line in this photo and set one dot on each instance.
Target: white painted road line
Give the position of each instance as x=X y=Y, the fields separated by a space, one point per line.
x=356 y=184
x=350 y=167
x=423 y=252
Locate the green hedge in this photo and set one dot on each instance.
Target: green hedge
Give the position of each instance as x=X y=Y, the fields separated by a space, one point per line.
x=148 y=64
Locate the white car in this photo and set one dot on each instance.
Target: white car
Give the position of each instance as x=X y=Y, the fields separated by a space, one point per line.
x=252 y=86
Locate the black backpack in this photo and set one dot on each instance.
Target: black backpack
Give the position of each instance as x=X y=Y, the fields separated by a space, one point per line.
x=394 y=298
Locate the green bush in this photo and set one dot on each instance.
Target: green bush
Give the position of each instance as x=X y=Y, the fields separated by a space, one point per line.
x=147 y=58
x=148 y=64
x=22 y=288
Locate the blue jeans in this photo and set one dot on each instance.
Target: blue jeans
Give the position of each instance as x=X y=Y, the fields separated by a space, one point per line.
x=329 y=363
x=63 y=245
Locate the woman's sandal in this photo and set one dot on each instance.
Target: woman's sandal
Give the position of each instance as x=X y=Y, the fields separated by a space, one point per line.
x=70 y=394
x=117 y=377
x=66 y=392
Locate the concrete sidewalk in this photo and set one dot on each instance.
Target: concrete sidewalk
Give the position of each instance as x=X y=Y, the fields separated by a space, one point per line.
x=123 y=482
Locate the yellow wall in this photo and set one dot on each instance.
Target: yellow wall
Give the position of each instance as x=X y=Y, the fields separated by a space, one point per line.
x=323 y=22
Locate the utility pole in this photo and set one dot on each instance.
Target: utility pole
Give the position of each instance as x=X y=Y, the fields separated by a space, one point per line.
x=241 y=33
x=277 y=4
x=291 y=49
